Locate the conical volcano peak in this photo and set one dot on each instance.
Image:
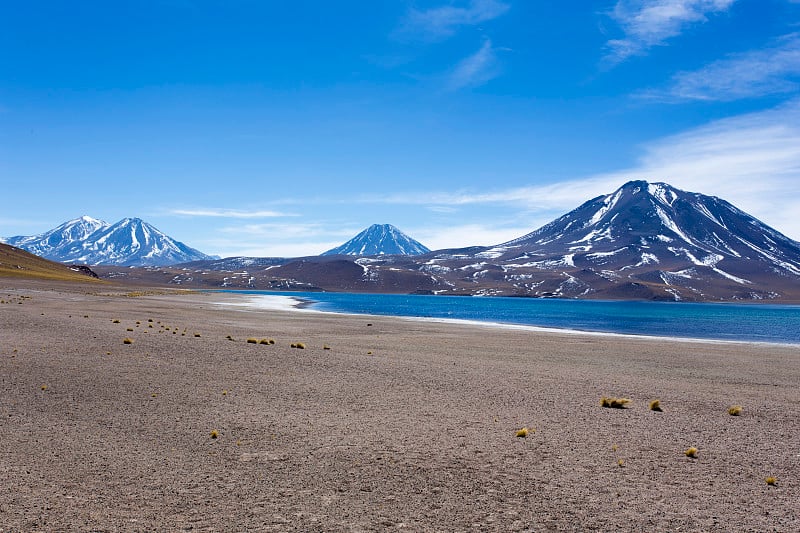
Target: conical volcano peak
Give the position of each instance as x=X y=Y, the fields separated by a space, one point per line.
x=380 y=239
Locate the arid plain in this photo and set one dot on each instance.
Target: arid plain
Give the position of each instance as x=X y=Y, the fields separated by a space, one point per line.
x=377 y=424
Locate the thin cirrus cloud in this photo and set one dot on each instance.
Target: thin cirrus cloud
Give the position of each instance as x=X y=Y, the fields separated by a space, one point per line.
x=443 y=22
x=476 y=69
x=648 y=23
x=751 y=160
x=768 y=71
x=228 y=213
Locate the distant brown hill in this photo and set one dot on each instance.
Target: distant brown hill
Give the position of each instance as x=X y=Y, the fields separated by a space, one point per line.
x=18 y=263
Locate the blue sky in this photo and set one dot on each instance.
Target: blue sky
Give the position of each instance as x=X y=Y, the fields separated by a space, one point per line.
x=284 y=128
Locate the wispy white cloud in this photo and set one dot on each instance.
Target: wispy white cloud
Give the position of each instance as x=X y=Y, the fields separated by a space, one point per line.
x=254 y=248
x=753 y=161
x=648 y=23
x=279 y=239
x=475 y=70
x=771 y=70
x=227 y=213
x=442 y=22
x=284 y=231
x=440 y=237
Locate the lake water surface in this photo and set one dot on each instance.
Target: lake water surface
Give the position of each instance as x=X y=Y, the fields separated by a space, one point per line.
x=732 y=322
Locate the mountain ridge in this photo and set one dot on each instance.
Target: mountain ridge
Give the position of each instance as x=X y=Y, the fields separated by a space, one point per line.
x=645 y=241
x=128 y=242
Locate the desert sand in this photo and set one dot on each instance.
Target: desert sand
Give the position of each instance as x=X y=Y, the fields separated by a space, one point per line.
x=399 y=425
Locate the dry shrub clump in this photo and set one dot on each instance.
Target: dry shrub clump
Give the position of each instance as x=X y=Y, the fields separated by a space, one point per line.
x=127 y=340
x=267 y=341
x=771 y=481
x=655 y=405
x=691 y=452
x=522 y=433
x=735 y=410
x=252 y=340
x=614 y=403
x=298 y=345
x=214 y=433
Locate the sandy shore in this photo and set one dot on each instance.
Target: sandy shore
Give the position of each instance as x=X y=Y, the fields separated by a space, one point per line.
x=399 y=425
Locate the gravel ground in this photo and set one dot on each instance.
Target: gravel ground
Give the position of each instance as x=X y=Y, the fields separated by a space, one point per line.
x=400 y=424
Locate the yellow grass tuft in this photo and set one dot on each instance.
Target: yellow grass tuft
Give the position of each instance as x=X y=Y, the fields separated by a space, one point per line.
x=614 y=403
x=115 y=321
x=214 y=433
x=522 y=433
x=266 y=341
x=252 y=340
x=735 y=410
x=44 y=387
x=771 y=481
x=230 y=338
x=196 y=334
x=224 y=392
x=620 y=463
x=129 y=329
x=127 y=340
x=655 y=405
x=326 y=347
x=691 y=452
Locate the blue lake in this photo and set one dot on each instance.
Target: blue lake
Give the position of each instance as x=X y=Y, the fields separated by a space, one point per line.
x=736 y=322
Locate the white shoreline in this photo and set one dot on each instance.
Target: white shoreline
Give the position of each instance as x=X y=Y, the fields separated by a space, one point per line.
x=274 y=302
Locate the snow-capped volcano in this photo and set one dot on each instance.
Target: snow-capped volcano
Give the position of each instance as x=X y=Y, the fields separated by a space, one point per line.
x=643 y=241
x=657 y=234
x=380 y=239
x=59 y=240
x=129 y=242
x=657 y=223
